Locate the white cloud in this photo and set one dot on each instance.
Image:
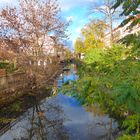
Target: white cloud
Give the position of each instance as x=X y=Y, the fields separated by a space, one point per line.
x=68 y=4
x=78 y=30
x=70 y=18
x=5 y=1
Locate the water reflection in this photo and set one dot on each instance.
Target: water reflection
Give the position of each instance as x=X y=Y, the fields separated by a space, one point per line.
x=41 y=122
x=45 y=123
x=61 y=118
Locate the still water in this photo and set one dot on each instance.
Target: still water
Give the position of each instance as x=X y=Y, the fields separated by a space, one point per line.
x=61 y=117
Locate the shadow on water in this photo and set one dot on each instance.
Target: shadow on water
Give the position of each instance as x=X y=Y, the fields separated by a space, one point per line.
x=61 y=117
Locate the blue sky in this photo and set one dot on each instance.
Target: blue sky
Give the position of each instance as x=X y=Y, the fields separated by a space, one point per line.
x=74 y=10
x=77 y=12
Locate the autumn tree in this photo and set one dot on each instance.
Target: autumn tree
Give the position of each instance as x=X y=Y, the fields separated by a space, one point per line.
x=29 y=25
x=92 y=36
x=79 y=45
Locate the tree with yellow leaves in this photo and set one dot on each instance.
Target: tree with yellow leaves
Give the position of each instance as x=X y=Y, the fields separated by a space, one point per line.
x=92 y=36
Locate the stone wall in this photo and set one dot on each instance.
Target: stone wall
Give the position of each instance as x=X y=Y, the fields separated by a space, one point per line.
x=11 y=84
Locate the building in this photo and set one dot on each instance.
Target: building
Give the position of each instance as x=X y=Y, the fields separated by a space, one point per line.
x=46 y=51
x=121 y=32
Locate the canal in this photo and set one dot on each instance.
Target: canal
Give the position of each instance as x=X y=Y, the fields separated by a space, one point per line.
x=61 y=117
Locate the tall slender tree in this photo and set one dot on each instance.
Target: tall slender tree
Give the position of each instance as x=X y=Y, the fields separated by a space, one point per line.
x=108 y=13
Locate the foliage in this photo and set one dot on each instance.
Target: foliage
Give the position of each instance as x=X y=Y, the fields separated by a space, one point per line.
x=92 y=37
x=129 y=6
x=3 y=65
x=133 y=40
x=10 y=67
x=129 y=137
x=132 y=123
x=5 y=120
x=93 y=34
x=130 y=10
x=28 y=27
x=110 y=78
x=16 y=106
x=94 y=57
x=79 y=46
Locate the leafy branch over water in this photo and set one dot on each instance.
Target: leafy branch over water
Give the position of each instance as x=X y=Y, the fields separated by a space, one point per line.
x=111 y=80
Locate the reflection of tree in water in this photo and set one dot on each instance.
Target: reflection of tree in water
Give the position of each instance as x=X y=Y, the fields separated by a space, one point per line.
x=44 y=123
x=101 y=123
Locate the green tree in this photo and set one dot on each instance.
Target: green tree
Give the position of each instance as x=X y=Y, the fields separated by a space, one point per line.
x=110 y=79
x=92 y=36
x=79 y=45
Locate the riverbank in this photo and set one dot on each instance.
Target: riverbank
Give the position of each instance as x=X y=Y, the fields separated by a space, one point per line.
x=14 y=107
x=60 y=117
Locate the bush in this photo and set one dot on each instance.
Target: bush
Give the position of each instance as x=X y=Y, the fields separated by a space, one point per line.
x=9 y=67
x=3 y=65
x=110 y=78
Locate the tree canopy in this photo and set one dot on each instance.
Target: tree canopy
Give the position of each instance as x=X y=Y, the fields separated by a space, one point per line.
x=92 y=36
x=31 y=22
